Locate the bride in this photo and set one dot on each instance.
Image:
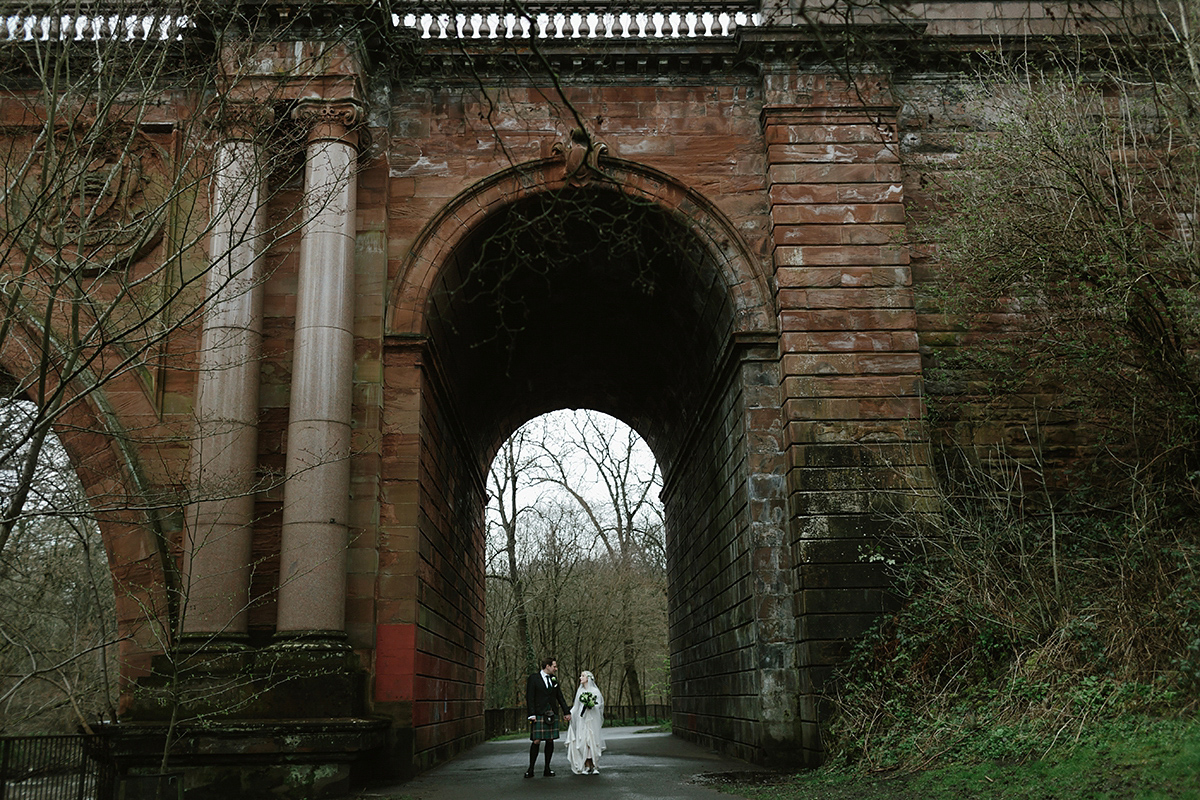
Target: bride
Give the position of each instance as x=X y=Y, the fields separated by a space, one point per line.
x=584 y=740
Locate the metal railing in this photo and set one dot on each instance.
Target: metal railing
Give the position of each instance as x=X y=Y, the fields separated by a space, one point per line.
x=66 y=767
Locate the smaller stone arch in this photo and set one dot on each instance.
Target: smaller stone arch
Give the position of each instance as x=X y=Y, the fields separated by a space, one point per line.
x=91 y=429
x=744 y=274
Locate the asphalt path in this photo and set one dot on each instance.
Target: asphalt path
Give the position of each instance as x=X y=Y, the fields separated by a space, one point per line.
x=634 y=766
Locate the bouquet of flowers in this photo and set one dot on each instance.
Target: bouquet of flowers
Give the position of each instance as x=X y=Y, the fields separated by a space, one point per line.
x=587 y=700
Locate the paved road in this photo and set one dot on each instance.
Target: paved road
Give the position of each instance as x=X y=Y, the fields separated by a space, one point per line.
x=654 y=766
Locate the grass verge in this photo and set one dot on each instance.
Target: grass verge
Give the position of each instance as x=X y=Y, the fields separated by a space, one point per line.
x=1130 y=757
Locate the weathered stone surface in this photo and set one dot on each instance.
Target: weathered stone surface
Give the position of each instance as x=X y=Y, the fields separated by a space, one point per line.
x=773 y=359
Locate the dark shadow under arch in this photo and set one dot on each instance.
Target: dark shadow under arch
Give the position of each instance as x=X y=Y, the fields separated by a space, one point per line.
x=745 y=274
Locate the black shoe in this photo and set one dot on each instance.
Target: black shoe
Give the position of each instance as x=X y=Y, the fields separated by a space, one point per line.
x=529 y=774
x=548 y=774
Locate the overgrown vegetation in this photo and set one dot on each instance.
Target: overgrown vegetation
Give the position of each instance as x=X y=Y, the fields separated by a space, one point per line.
x=1118 y=759
x=1024 y=624
x=1051 y=604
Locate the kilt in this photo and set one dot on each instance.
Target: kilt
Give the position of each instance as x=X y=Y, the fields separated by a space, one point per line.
x=539 y=730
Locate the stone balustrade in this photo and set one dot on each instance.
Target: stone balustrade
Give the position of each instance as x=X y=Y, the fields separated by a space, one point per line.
x=30 y=27
x=578 y=25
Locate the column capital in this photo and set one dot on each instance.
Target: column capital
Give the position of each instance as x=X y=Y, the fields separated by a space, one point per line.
x=241 y=120
x=331 y=120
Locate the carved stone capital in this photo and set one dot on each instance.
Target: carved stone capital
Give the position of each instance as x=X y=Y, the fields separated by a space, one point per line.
x=331 y=120
x=241 y=120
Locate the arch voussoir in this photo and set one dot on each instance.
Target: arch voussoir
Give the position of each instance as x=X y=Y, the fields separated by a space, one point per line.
x=745 y=275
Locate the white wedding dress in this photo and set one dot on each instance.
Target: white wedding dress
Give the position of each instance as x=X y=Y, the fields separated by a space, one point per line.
x=584 y=739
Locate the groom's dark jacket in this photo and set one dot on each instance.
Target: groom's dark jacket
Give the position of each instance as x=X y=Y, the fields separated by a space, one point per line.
x=539 y=700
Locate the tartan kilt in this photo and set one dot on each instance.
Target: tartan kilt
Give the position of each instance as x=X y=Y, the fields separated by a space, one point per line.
x=538 y=729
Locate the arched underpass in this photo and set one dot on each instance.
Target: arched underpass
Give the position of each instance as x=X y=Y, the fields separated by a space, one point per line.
x=609 y=298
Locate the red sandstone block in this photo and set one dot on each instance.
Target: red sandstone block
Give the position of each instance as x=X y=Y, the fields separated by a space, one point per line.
x=843 y=341
x=821 y=408
x=898 y=362
x=763 y=419
x=805 y=277
x=851 y=363
x=834 y=173
x=624 y=115
x=871 y=193
x=848 y=409
x=892 y=297
x=792 y=298
x=828 y=193
x=787 y=193
x=836 y=133
x=893 y=408
x=438 y=187
x=806 y=234
x=847 y=319
x=856 y=255
x=646 y=145
x=838 y=234
x=838 y=213
x=858 y=386
x=832 y=153
x=899 y=275
x=740 y=129
x=395 y=652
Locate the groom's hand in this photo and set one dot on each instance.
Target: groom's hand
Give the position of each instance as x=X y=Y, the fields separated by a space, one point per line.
x=567 y=717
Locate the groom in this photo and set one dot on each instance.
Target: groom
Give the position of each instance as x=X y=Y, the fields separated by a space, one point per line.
x=543 y=698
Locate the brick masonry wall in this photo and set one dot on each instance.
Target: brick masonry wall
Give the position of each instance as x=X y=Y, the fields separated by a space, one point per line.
x=939 y=112
x=851 y=371
x=732 y=618
x=714 y=677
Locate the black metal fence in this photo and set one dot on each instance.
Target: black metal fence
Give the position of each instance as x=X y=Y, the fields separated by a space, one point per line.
x=66 y=767
x=499 y=721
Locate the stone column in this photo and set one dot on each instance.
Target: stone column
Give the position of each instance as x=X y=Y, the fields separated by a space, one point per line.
x=216 y=556
x=316 y=500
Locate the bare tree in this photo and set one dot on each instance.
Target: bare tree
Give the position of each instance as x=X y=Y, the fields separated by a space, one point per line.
x=508 y=478
x=58 y=665
x=607 y=471
x=595 y=576
x=118 y=124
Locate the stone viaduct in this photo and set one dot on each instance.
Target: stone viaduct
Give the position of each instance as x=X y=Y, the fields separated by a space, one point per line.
x=696 y=222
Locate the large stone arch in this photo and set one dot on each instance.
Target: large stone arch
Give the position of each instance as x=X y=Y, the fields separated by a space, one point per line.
x=745 y=273
x=93 y=425
x=715 y=424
